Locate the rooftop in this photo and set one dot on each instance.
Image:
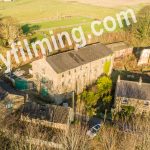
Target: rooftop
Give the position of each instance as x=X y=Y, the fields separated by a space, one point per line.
x=72 y=59
x=130 y=89
x=118 y=46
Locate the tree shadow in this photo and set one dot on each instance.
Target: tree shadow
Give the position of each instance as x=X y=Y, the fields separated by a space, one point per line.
x=28 y=28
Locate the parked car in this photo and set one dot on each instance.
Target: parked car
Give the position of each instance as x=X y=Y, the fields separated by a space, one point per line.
x=3 y=93
x=92 y=132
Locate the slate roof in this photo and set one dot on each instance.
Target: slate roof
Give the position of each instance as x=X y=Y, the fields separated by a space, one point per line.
x=51 y=113
x=72 y=59
x=118 y=46
x=130 y=89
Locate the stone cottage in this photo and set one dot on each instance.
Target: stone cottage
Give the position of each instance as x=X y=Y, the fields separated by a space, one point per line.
x=136 y=94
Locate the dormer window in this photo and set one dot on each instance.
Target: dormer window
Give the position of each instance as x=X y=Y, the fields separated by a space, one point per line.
x=124 y=100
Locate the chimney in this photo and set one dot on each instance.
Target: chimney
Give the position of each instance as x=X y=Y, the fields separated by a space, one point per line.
x=140 y=81
x=118 y=79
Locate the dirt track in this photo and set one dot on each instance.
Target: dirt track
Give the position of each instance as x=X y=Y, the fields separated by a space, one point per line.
x=111 y=3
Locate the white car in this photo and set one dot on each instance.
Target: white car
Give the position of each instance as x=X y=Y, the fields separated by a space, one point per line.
x=93 y=131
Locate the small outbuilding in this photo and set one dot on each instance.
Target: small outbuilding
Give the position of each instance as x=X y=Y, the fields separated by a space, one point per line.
x=52 y=116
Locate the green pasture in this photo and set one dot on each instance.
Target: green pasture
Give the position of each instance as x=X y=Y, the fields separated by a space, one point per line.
x=40 y=15
x=30 y=10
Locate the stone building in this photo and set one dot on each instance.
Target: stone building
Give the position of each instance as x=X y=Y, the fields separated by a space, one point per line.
x=75 y=69
x=52 y=116
x=144 y=57
x=120 y=49
x=136 y=94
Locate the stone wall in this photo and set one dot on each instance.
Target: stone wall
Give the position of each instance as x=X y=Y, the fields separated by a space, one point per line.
x=141 y=106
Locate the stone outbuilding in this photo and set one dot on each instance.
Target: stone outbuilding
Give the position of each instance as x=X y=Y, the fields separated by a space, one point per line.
x=52 y=116
x=144 y=56
x=120 y=49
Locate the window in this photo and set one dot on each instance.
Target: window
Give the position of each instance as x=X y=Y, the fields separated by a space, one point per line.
x=124 y=100
x=62 y=75
x=62 y=83
x=74 y=70
x=146 y=103
x=69 y=72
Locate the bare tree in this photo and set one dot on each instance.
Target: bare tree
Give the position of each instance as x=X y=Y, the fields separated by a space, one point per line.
x=75 y=139
x=9 y=29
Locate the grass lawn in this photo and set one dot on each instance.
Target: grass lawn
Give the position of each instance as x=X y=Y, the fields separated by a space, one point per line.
x=64 y=22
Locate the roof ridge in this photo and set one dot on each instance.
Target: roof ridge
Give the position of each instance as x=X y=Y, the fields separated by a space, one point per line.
x=134 y=81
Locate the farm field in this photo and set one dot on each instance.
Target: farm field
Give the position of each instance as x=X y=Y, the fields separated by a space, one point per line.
x=56 y=13
x=38 y=11
x=112 y=3
x=61 y=14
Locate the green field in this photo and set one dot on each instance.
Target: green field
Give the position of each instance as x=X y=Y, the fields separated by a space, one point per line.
x=30 y=10
x=39 y=11
x=56 y=14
